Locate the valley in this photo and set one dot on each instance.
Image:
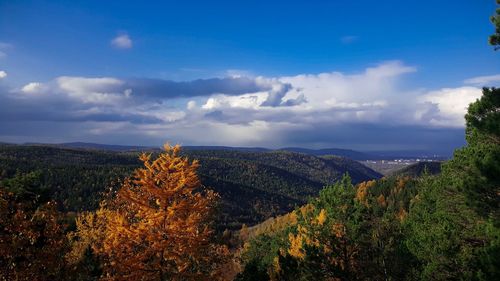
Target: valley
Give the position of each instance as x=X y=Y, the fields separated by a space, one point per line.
x=253 y=185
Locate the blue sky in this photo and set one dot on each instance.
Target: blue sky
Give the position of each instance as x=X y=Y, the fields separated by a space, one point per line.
x=417 y=57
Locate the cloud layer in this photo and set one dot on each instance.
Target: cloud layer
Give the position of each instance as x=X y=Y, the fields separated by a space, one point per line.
x=365 y=110
x=488 y=80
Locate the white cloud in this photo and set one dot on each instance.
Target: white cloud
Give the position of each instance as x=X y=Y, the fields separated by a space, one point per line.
x=451 y=105
x=191 y=105
x=92 y=90
x=32 y=88
x=325 y=91
x=128 y=93
x=489 y=80
x=371 y=96
x=328 y=89
x=122 y=42
x=312 y=108
x=253 y=100
x=3 y=74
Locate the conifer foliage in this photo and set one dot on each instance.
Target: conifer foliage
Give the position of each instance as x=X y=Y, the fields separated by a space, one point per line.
x=156 y=226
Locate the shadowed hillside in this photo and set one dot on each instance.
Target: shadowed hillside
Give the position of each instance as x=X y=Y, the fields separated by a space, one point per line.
x=417 y=169
x=253 y=185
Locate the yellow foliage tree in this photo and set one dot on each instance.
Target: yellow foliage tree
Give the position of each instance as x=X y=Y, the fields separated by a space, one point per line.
x=381 y=200
x=321 y=218
x=157 y=225
x=362 y=191
x=90 y=234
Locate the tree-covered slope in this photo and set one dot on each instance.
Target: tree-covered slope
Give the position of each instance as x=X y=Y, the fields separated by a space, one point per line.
x=253 y=186
x=444 y=226
x=417 y=169
x=257 y=185
x=324 y=170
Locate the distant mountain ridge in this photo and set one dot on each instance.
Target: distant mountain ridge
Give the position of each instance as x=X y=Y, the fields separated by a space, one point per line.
x=352 y=154
x=95 y=146
x=348 y=153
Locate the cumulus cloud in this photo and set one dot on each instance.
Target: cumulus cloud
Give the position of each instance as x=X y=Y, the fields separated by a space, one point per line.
x=3 y=74
x=338 y=97
x=335 y=88
x=122 y=41
x=31 y=88
x=448 y=106
x=489 y=80
x=275 y=96
x=365 y=109
x=109 y=90
x=108 y=99
x=92 y=90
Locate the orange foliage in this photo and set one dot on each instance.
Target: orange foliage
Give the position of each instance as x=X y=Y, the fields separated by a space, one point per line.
x=91 y=231
x=304 y=237
x=321 y=218
x=157 y=226
x=333 y=243
x=31 y=240
x=269 y=226
x=401 y=215
x=296 y=246
x=306 y=209
x=401 y=183
x=362 y=191
x=244 y=233
x=381 y=200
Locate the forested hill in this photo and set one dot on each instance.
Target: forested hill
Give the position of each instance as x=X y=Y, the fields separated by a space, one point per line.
x=418 y=169
x=257 y=185
x=253 y=185
x=436 y=226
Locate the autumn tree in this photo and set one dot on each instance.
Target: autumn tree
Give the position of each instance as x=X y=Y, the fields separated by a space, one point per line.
x=157 y=226
x=321 y=246
x=86 y=242
x=346 y=233
x=32 y=240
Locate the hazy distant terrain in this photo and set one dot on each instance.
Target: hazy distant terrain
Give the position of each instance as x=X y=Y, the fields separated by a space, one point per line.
x=410 y=166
